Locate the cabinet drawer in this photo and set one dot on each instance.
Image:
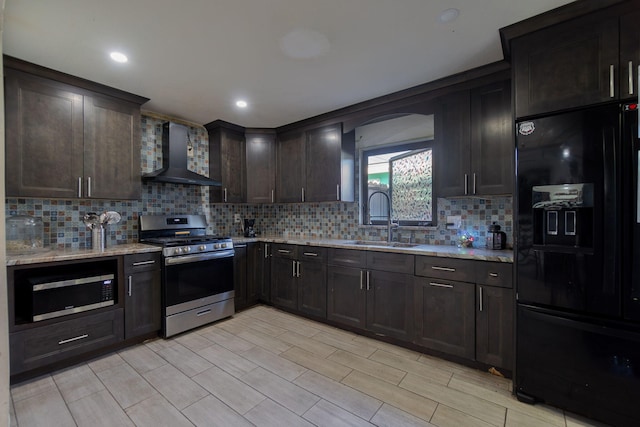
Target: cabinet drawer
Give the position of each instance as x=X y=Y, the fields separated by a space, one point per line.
x=41 y=346
x=141 y=262
x=285 y=251
x=312 y=253
x=494 y=274
x=347 y=257
x=394 y=263
x=446 y=268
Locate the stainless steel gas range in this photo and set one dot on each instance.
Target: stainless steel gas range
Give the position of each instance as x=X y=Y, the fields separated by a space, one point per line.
x=197 y=271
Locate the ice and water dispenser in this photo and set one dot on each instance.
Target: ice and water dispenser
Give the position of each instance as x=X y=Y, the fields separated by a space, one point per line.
x=563 y=215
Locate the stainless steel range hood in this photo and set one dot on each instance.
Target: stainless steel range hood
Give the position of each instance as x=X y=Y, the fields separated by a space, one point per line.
x=175 y=139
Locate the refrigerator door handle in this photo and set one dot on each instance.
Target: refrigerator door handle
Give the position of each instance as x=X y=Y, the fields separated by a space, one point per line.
x=638 y=188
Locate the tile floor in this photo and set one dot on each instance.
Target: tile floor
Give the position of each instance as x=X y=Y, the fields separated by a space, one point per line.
x=265 y=367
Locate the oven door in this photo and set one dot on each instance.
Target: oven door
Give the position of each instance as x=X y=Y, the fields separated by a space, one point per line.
x=195 y=277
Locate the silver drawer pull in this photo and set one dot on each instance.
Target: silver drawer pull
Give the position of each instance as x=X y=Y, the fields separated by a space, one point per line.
x=284 y=251
x=444 y=269
x=239 y=246
x=136 y=264
x=310 y=254
x=203 y=312
x=440 y=285
x=493 y=274
x=79 y=337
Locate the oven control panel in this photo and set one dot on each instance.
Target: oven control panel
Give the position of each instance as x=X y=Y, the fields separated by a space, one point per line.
x=197 y=248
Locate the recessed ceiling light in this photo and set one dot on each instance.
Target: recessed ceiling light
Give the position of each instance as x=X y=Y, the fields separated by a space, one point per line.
x=449 y=15
x=241 y=104
x=119 y=57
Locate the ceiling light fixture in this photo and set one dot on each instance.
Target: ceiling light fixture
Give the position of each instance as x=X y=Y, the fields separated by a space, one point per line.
x=448 y=15
x=119 y=57
x=241 y=104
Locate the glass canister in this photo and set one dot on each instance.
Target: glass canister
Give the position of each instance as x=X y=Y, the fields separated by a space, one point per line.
x=25 y=234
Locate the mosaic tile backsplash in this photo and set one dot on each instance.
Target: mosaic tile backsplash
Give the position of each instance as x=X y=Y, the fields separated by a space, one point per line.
x=63 y=225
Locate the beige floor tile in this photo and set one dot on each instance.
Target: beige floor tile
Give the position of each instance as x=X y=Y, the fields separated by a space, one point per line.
x=156 y=411
x=99 y=410
x=43 y=409
x=105 y=362
x=431 y=373
x=485 y=379
x=142 y=358
x=212 y=412
x=193 y=341
x=310 y=345
x=185 y=360
x=227 y=360
x=449 y=417
x=401 y=398
x=267 y=342
x=270 y=414
x=262 y=326
x=354 y=401
x=274 y=363
x=126 y=385
x=230 y=390
x=175 y=386
x=389 y=348
x=370 y=367
x=286 y=322
x=227 y=340
x=13 y=422
x=340 y=334
x=389 y=416
x=33 y=387
x=287 y=394
x=519 y=419
x=77 y=382
x=483 y=409
x=329 y=369
x=326 y=414
x=355 y=347
x=160 y=343
x=446 y=365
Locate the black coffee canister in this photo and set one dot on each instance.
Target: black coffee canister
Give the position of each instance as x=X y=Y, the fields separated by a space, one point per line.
x=496 y=239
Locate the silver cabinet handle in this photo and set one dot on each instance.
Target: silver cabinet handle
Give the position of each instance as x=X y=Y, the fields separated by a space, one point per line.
x=474 y=183
x=293 y=271
x=481 y=306
x=224 y=192
x=203 y=312
x=135 y=264
x=273 y=196
x=630 y=77
x=361 y=279
x=129 y=291
x=310 y=253
x=239 y=246
x=79 y=337
x=440 y=285
x=88 y=186
x=493 y=274
x=302 y=193
x=443 y=268
x=368 y=280
x=266 y=250
x=79 y=187
x=298 y=263
x=612 y=82
x=338 y=192
x=466 y=184
x=284 y=251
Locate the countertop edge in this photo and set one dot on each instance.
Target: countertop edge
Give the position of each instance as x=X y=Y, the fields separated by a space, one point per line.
x=55 y=255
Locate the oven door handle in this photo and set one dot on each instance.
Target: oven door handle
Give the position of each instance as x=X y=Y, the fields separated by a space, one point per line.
x=198 y=257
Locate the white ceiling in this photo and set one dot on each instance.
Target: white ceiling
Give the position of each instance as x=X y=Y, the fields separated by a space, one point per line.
x=193 y=58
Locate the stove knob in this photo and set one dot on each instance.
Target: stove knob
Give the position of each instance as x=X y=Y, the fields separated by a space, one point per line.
x=187 y=249
x=202 y=247
x=224 y=245
x=216 y=246
x=177 y=251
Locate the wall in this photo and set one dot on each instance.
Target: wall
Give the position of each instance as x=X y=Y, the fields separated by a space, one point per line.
x=64 y=228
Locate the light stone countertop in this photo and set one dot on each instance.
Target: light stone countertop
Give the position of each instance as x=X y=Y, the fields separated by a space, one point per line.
x=53 y=255
x=479 y=254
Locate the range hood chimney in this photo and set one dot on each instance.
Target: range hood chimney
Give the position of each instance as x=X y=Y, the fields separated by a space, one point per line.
x=175 y=140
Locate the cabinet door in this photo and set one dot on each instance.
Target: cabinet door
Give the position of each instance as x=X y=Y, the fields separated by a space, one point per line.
x=565 y=66
x=312 y=288
x=290 y=163
x=629 y=55
x=451 y=150
x=240 y=276
x=323 y=164
x=445 y=316
x=111 y=149
x=346 y=296
x=491 y=140
x=232 y=155
x=255 y=272
x=44 y=137
x=390 y=304
x=261 y=167
x=283 y=283
x=494 y=326
x=142 y=303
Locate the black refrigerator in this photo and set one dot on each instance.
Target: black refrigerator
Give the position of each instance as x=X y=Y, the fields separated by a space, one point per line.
x=578 y=262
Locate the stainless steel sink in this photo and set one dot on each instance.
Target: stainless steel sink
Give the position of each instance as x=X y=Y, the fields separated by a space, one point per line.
x=387 y=244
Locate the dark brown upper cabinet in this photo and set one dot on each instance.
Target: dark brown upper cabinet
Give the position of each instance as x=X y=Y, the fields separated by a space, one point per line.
x=629 y=55
x=569 y=65
x=68 y=141
x=227 y=161
x=474 y=142
x=316 y=165
x=261 y=165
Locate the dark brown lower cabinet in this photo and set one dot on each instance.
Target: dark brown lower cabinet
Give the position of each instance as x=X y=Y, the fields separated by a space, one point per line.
x=445 y=316
x=284 y=291
x=346 y=303
x=494 y=326
x=240 y=276
x=312 y=288
x=389 y=304
x=142 y=309
x=257 y=272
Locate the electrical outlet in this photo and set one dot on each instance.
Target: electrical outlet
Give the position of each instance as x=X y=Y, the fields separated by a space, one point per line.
x=454 y=222
x=236 y=218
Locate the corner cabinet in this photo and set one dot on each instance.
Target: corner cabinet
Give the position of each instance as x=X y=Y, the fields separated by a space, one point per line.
x=474 y=142
x=316 y=165
x=142 y=307
x=261 y=165
x=69 y=141
x=227 y=161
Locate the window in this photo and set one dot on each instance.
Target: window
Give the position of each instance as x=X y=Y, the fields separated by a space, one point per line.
x=401 y=174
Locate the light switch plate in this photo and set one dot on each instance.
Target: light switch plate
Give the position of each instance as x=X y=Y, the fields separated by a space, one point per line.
x=236 y=218
x=454 y=222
